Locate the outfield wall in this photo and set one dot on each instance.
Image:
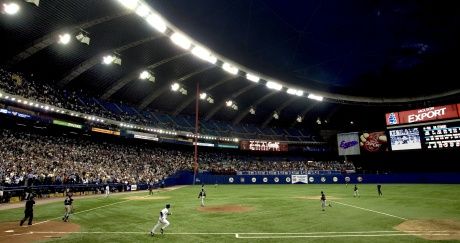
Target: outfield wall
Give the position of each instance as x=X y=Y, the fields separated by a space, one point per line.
x=208 y=178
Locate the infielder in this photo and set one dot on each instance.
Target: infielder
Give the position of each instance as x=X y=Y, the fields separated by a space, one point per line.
x=323 y=201
x=162 y=220
x=355 y=192
x=202 y=195
x=68 y=207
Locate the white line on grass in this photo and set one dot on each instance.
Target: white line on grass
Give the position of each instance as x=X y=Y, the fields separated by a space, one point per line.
x=242 y=233
x=103 y=206
x=336 y=236
x=370 y=210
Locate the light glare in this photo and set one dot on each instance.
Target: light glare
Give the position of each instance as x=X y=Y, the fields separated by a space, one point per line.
x=156 y=22
x=252 y=77
x=64 y=39
x=274 y=85
x=230 y=69
x=11 y=8
x=129 y=4
x=181 y=40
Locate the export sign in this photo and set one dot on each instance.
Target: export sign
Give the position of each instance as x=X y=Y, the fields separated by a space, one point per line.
x=423 y=115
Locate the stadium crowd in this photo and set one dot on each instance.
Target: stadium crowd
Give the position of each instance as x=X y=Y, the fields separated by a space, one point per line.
x=32 y=159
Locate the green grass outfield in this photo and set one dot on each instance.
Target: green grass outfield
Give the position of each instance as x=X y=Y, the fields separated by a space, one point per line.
x=277 y=215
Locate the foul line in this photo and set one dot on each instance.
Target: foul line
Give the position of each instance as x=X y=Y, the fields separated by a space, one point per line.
x=370 y=210
x=337 y=236
x=103 y=206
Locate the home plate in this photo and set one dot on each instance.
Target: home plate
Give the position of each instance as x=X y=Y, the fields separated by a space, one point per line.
x=9 y=231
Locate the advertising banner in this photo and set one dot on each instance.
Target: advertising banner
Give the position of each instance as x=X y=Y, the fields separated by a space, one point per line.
x=373 y=142
x=299 y=179
x=348 y=143
x=106 y=131
x=67 y=124
x=423 y=115
x=256 y=145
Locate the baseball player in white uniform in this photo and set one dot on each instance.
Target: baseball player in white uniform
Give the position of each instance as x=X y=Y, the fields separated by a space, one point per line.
x=162 y=220
x=107 y=190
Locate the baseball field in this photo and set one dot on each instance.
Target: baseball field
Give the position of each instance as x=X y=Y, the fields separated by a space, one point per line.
x=251 y=213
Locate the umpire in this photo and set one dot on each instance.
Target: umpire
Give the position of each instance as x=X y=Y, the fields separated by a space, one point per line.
x=29 y=211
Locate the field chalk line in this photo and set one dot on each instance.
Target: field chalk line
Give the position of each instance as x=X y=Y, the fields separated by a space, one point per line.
x=103 y=206
x=370 y=210
x=338 y=236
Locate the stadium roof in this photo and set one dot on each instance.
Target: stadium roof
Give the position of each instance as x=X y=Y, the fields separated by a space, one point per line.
x=381 y=53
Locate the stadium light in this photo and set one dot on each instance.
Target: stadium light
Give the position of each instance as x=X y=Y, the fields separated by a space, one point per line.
x=252 y=111
x=129 y=4
x=229 y=103
x=235 y=107
x=147 y=75
x=142 y=10
x=210 y=100
x=230 y=69
x=203 y=96
x=315 y=97
x=274 y=85
x=83 y=37
x=204 y=54
x=11 y=8
x=276 y=115
x=1 y=95
x=318 y=121
x=109 y=59
x=294 y=92
x=175 y=87
x=35 y=2
x=252 y=77
x=181 y=40
x=64 y=38
x=156 y=22
x=299 y=119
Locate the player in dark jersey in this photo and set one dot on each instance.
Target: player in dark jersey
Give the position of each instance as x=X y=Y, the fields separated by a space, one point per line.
x=379 y=190
x=68 y=207
x=323 y=201
x=29 y=210
x=202 y=195
x=355 y=191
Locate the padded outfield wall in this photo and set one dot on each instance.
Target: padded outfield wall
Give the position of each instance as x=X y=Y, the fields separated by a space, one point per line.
x=208 y=178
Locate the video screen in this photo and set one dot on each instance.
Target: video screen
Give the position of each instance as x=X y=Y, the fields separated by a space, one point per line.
x=405 y=139
x=442 y=136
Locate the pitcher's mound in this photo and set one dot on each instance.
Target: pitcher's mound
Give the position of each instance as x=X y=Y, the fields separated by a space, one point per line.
x=432 y=229
x=225 y=208
x=317 y=197
x=12 y=232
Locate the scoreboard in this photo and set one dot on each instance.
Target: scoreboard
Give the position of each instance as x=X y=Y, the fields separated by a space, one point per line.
x=442 y=136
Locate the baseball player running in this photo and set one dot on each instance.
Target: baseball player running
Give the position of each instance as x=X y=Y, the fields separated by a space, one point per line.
x=202 y=195
x=323 y=201
x=162 y=220
x=68 y=207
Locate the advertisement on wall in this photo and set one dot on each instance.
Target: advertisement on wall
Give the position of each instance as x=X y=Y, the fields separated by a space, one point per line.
x=299 y=179
x=373 y=142
x=423 y=115
x=256 y=145
x=348 y=143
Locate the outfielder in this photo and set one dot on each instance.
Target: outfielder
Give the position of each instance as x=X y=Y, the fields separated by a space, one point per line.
x=68 y=207
x=355 y=192
x=107 y=190
x=202 y=195
x=323 y=201
x=162 y=220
